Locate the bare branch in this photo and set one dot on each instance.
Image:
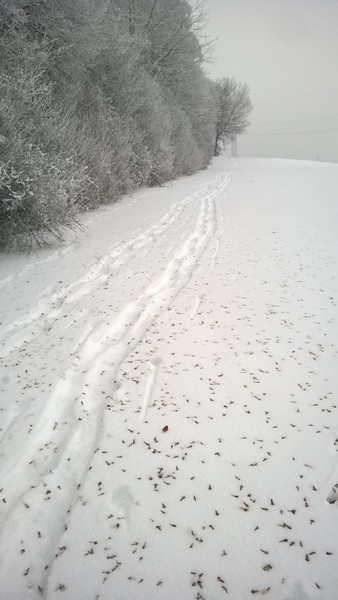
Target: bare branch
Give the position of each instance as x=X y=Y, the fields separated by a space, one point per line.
x=150 y=15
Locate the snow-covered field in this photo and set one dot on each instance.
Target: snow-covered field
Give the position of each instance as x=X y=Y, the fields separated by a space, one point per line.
x=168 y=416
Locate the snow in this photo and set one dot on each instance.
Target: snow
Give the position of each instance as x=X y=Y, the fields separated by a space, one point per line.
x=169 y=395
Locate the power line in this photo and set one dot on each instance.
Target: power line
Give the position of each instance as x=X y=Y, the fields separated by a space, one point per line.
x=296 y=121
x=314 y=132
x=312 y=93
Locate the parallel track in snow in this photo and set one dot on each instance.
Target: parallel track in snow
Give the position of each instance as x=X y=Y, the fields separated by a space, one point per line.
x=22 y=330
x=63 y=440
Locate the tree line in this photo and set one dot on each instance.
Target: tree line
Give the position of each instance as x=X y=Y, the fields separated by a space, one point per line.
x=98 y=98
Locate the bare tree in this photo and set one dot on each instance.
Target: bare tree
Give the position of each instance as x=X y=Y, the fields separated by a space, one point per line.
x=233 y=109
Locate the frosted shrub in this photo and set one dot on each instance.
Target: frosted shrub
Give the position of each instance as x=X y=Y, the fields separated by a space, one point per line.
x=187 y=156
x=37 y=199
x=153 y=120
x=96 y=99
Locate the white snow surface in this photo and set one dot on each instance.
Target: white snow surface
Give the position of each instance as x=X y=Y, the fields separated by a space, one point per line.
x=168 y=415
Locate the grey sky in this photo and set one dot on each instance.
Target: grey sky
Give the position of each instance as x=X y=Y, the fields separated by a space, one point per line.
x=287 y=52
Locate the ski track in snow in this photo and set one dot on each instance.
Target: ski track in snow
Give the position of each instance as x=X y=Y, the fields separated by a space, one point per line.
x=69 y=426
x=21 y=331
x=186 y=446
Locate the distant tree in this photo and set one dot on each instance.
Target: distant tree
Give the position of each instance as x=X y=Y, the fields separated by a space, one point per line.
x=233 y=107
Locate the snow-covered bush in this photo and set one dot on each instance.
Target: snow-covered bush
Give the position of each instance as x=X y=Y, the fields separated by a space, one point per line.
x=35 y=198
x=96 y=99
x=187 y=155
x=39 y=187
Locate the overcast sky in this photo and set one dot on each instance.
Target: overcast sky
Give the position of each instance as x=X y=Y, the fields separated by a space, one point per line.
x=287 y=52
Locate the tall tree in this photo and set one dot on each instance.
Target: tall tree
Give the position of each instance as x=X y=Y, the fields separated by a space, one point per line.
x=233 y=107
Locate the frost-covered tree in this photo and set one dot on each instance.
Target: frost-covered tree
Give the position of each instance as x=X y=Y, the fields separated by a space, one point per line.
x=171 y=28
x=233 y=107
x=173 y=55
x=97 y=97
x=37 y=186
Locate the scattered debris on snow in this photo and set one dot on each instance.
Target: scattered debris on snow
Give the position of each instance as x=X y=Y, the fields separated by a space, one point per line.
x=206 y=311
